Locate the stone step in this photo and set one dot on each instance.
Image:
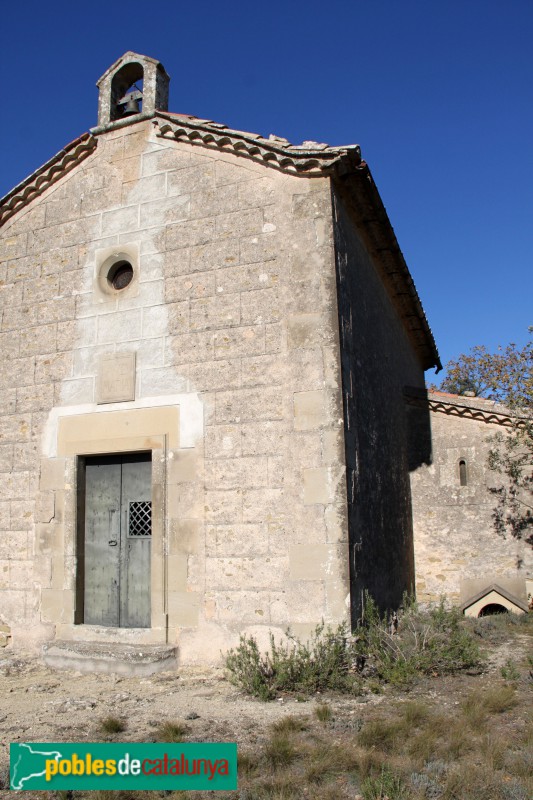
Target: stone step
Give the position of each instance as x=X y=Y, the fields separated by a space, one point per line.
x=121 y=659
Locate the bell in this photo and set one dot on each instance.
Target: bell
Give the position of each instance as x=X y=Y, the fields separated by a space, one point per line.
x=131 y=107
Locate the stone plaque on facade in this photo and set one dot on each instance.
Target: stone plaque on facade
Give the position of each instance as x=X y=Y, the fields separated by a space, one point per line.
x=116 y=378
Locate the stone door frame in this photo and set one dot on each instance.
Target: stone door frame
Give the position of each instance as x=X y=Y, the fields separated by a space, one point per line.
x=153 y=429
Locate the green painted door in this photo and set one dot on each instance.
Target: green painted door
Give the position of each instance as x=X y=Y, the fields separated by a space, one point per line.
x=118 y=532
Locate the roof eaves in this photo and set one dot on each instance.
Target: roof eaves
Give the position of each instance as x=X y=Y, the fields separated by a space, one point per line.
x=481 y=410
x=356 y=184
x=54 y=169
x=310 y=158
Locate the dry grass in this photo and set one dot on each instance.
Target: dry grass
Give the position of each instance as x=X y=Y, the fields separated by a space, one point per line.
x=422 y=747
x=279 y=750
x=479 y=705
x=323 y=761
x=112 y=725
x=290 y=724
x=499 y=699
x=456 y=742
x=466 y=738
x=414 y=712
x=409 y=750
x=384 y=734
x=171 y=732
x=323 y=712
x=247 y=763
x=369 y=762
x=276 y=787
x=474 y=712
x=385 y=786
x=121 y=794
x=492 y=747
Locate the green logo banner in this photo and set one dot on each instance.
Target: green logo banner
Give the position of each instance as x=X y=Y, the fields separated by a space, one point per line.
x=89 y=766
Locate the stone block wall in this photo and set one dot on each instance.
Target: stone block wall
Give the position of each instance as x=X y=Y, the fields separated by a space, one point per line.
x=457 y=550
x=232 y=317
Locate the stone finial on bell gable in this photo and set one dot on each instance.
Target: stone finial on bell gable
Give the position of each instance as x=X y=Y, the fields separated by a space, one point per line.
x=133 y=85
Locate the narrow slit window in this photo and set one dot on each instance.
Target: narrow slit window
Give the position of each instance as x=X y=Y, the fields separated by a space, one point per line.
x=463 y=478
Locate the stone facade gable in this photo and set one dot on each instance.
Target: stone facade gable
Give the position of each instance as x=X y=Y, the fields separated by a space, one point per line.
x=231 y=317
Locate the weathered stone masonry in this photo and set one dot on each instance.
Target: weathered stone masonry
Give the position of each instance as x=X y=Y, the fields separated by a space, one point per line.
x=246 y=253
x=457 y=551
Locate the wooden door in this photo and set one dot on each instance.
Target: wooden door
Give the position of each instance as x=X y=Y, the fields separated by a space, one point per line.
x=118 y=530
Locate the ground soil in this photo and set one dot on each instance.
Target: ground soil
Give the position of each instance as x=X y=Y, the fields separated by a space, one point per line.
x=39 y=704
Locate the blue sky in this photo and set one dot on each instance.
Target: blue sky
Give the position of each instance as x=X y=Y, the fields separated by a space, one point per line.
x=438 y=95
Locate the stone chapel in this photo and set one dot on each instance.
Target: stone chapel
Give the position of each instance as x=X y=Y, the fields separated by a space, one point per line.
x=207 y=337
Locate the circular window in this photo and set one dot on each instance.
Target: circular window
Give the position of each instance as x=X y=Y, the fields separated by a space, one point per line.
x=120 y=275
x=118 y=271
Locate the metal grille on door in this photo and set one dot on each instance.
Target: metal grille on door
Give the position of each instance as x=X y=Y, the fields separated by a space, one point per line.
x=140 y=519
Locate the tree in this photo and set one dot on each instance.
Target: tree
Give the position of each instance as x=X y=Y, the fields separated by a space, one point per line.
x=505 y=376
x=512 y=457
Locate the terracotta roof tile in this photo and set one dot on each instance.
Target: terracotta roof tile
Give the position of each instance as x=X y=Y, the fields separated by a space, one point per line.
x=54 y=169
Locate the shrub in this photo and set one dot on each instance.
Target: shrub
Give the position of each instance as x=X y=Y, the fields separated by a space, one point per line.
x=426 y=642
x=497 y=628
x=324 y=663
x=509 y=671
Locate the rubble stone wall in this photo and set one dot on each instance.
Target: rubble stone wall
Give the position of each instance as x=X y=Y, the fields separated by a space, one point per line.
x=457 y=550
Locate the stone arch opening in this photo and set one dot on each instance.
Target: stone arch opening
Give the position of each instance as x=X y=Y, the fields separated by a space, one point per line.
x=492 y=609
x=127 y=90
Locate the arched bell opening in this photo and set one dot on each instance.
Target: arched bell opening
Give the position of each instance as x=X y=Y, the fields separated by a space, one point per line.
x=127 y=91
x=134 y=84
